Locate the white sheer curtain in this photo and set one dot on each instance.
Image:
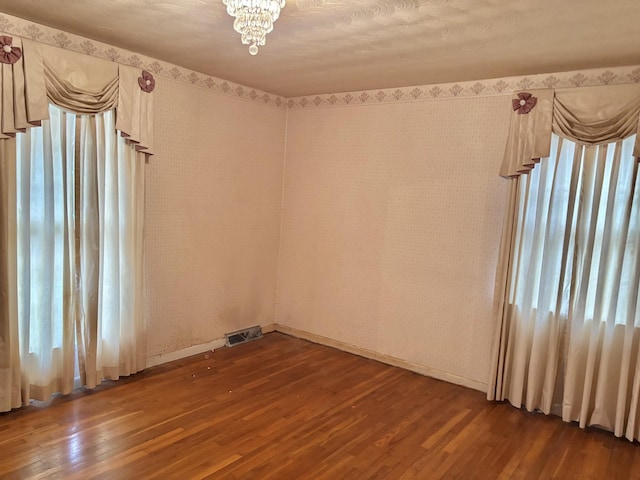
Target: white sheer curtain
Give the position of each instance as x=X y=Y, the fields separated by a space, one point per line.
x=111 y=316
x=79 y=209
x=572 y=314
x=45 y=255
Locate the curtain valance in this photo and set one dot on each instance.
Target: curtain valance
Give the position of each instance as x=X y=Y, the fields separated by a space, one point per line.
x=75 y=82
x=586 y=115
x=23 y=95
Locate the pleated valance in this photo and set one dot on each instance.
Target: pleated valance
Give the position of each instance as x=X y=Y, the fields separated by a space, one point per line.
x=38 y=74
x=586 y=115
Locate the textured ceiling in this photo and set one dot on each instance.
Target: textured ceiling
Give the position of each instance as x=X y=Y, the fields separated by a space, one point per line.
x=325 y=46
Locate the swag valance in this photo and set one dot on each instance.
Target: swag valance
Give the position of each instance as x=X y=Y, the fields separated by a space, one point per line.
x=586 y=115
x=32 y=75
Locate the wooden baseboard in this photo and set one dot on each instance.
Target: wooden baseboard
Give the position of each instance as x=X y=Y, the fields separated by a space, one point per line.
x=196 y=349
x=185 y=352
x=389 y=360
x=329 y=342
x=269 y=328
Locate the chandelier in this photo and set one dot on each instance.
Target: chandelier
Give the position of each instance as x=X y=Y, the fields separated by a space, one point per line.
x=254 y=19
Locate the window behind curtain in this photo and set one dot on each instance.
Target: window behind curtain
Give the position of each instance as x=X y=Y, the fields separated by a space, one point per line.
x=41 y=225
x=577 y=214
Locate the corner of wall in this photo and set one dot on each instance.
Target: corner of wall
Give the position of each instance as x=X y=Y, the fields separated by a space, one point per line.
x=284 y=169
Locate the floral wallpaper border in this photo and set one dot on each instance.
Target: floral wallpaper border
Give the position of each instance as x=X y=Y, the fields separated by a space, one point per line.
x=500 y=86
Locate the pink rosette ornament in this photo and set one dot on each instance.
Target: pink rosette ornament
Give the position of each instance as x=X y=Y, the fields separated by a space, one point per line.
x=524 y=103
x=8 y=53
x=147 y=82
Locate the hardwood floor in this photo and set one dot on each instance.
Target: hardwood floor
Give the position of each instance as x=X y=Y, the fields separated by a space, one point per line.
x=284 y=408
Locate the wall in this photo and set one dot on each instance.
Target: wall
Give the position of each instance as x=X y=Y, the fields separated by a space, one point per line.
x=214 y=193
x=391 y=228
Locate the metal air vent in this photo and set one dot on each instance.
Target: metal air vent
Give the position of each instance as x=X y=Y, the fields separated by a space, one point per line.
x=243 y=336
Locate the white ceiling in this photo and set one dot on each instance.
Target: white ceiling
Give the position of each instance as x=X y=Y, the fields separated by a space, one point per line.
x=328 y=46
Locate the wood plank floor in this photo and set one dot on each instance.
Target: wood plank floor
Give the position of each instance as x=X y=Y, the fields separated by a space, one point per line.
x=284 y=408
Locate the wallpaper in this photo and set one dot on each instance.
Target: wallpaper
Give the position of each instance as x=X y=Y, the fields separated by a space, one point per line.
x=214 y=193
x=391 y=228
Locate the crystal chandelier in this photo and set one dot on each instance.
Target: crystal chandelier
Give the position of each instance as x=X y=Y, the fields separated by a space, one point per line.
x=254 y=19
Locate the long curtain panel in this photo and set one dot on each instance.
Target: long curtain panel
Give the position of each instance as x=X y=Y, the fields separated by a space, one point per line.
x=111 y=315
x=571 y=313
x=45 y=251
x=10 y=391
